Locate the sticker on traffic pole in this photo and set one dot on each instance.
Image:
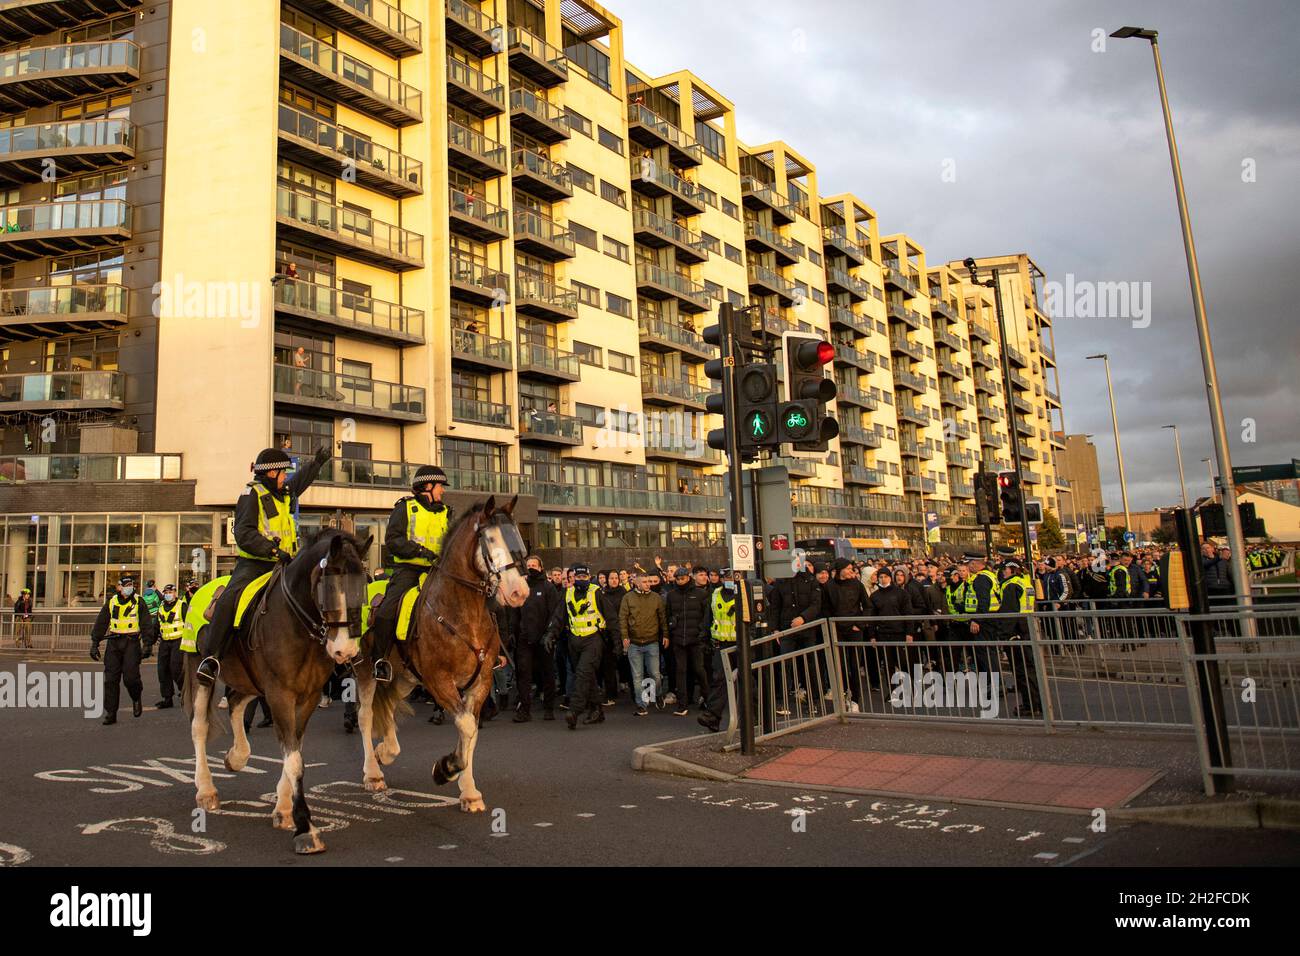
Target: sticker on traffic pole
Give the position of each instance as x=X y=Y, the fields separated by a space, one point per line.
x=797 y=559
x=742 y=552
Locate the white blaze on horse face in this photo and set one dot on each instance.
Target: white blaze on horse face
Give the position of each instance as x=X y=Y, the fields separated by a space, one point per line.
x=513 y=590
x=512 y=587
x=342 y=647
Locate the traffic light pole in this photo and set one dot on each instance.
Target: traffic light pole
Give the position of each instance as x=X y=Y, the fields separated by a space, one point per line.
x=1011 y=416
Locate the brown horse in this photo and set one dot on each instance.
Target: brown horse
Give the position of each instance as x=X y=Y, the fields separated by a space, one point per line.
x=453 y=645
x=305 y=622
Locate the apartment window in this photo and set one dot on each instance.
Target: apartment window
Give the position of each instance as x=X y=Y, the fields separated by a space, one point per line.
x=712 y=140
x=814 y=257
x=616 y=249
x=357 y=376
x=118 y=28
x=736 y=299
x=618 y=305
x=588 y=354
x=590 y=414
x=712 y=243
x=460 y=455
x=624 y=421
x=583 y=235
x=713 y=289
x=103 y=106
x=733 y=254
x=819 y=296
x=581 y=178
x=730 y=208
x=587 y=295
x=618 y=362
x=305 y=24
x=578 y=123
x=610 y=140
x=611 y=193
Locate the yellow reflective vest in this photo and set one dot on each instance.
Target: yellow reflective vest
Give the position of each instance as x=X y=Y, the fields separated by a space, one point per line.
x=724 y=617
x=1026 y=593
x=277 y=524
x=123 y=615
x=584 y=615
x=956 y=595
x=171 y=622
x=425 y=528
x=995 y=592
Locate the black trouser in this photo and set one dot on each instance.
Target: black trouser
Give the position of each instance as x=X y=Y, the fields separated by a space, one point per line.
x=220 y=630
x=717 y=701
x=1024 y=670
x=562 y=667
x=585 y=653
x=532 y=661
x=609 y=666
x=171 y=668
x=383 y=624
x=689 y=657
x=121 y=663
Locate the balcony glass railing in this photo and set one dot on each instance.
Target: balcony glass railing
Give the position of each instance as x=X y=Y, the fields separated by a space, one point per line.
x=859 y=323
x=630 y=499
x=349 y=146
x=542 y=228
x=640 y=115
x=686 y=446
x=539 y=107
x=99 y=214
x=67 y=57
x=647 y=220
x=463 y=75
x=837 y=236
x=540 y=357
x=679 y=284
x=388 y=17
x=533 y=422
x=78 y=134
x=856 y=396
x=649 y=171
x=905 y=345
x=469 y=15
x=475 y=143
x=678 y=334
x=335 y=388
x=843 y=279
x=652 y=383
x=89 y=467
x=553 y=56
x=914 y=382
x=538 y=165
x=349 y=70
x=847 y=353
x=88 y=386
x=472 y=207
x=366 y=473
x=479 y=412
x=359 y=310
x=350 y=225
x=768 y=196
x=770 y=278
x=545 y=292
x=475 y=273
x=63 y=300
x=478 y=345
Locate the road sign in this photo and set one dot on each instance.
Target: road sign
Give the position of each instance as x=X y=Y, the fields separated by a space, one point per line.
x=780 y=542
x=1129 y=537
x=742 y=552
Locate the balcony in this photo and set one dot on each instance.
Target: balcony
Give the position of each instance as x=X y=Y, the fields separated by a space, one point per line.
x=961 y=489
x=693 y=449
x=915 y=414
x=347 y=232
x=1025 y=428
x=835 y=237
x=322 y=146
x=536 y=174
x=471 y=28
x=1028 y=453
x=991 y=440
x=347 y=394
x=60 y=391
x=37 y=230
x=944 y=337
x=986 y=410
x=944 y=309
x=367 y=473
x=38 y=76
x=951 y=369
x=852 y=433
x=1017 y=357
x=658 y=232
x=959 y=458
x=1049 y=353
x=470 y=151
x=74 y=147
x=950 y=396
x=901 y=279
x=538 y=235
x=660 y=335
x=962 y=429
x=538 y=360
x=536 y=59
x=380 y=24
x=657 y=283
x=1062 y=483
x=758 y=195
x=24 y=19
x=1056 y=440
x=985 y=383
x=37 y=313
x=1031 y=477
x=909 y=447
x=839 y=280
x=360 y=315
x=797 y=467
x=474 y=412
x=474 y=91
x=918 y=483
x=904 y=315
x=538 y=118
x=323 y=69
x=980 y=332
x=1052 y=397
x=474 y=281
x=652 y=131
x=89 y=467
x=981 y=357
x=860 y=324
x=916 y=383
x=608 y=498
x=855 y=474
x=549 y=428
x=1022 y=404
x=1018 y=380
x=659 y=389
x=542 y=298
x=760 y=238
x=846 y=354
x=899 y=342
x=769 y=282
x=650 y=179
x=851 y=395
x=487 y=353
x=477 y=218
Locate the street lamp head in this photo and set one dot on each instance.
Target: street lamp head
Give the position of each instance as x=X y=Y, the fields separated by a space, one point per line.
x=1168 y=426
x=1103 y=355
x=1123 y=33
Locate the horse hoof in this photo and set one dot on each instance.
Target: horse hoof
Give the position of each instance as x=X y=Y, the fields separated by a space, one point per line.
x=384 y=756
x=237 y=763
x=307 y=843
x=472 y=804
x=208 y=800
x=376 y=784
x=439 y=777
x=282 y=821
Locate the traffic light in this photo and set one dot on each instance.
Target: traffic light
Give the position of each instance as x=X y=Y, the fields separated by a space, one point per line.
x=756 y=406
x=1011 y=496
x=715 y=402
x=802 y=419
x=986 y=498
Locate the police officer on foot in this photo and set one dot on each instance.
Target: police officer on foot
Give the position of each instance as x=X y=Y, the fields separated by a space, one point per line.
x=719 y=628
x=580 y=619
x=124 y=621
x=1017 y=597
x=171 y=661
x=416 y=528
x=265 y=534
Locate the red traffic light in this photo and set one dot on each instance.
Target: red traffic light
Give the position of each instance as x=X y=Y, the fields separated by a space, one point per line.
x=825 y=353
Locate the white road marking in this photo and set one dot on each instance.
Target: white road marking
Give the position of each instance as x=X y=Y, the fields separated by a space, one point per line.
x=392 y=859
x=1046 y=856
x=543 y=824
x=1073 y=840
x=452 y=846
x=627 y=806
x=585 y=815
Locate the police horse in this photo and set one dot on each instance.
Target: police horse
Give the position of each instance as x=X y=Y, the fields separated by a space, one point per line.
x=302 y=622
x=452 y=645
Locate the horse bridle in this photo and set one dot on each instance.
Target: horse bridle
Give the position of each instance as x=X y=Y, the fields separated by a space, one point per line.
x=517 y=552
x=319 y=630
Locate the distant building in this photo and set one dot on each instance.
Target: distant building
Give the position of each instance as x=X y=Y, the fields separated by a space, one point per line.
x=1077 y=464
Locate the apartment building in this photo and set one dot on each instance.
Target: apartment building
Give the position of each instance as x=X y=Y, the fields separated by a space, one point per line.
x=440 y=230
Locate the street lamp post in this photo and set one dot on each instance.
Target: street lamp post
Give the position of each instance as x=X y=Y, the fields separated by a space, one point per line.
x=1236 y=541
x=1178 y=451
x=1209 y=468
x=1119 y=453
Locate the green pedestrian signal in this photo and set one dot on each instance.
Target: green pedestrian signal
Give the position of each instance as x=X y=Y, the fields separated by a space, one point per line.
x=758 y=426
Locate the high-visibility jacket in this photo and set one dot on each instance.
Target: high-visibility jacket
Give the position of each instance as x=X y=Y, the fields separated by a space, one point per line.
x=1026 y=594
x=1114 y=587
x=956 y=597
x=585 y=618
x=424 y=527
x=995 y=592
x=171 y=622
x=724 y=617
x=274 y=520
x=123 y=615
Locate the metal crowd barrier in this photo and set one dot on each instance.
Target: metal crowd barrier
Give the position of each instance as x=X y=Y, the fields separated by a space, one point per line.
x=56 y=632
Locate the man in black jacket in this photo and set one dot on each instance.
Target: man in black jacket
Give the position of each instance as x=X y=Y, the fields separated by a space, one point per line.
x=611 y=599
x=798 y=602
x=124 y=621
x=846 y=597
x=532 y=660
x=687 y=606
x=889 y=599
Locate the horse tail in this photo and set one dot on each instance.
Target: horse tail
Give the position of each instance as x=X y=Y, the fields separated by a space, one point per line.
x=389 y=703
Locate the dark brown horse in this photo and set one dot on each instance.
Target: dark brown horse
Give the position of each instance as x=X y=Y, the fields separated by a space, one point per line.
x=453 y=645
x=306 y=621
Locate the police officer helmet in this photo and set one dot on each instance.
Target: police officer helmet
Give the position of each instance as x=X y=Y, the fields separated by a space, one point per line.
x=271 y=459
x=580 y=569
x=427 y=475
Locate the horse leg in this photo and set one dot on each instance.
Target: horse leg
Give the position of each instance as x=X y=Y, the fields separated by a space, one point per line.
x=306 y=838
x=370 y=772
x=286 y=722
x=389 y=748
x=205 y=791
x=471 y=801
x=448 y=767
x=237 y=755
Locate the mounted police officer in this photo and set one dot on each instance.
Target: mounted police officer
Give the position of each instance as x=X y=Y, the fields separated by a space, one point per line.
x=265 y=533
x=171 y=661
x=124 y=621
x=579 y=617
x=416 y=528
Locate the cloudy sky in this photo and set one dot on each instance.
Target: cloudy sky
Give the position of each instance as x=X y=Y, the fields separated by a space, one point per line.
x=1059 y=151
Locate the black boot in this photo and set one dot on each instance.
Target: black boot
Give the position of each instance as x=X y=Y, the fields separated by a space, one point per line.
x=136 y=708
x=163 y=704
x=109 y=719
x=521 y=717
